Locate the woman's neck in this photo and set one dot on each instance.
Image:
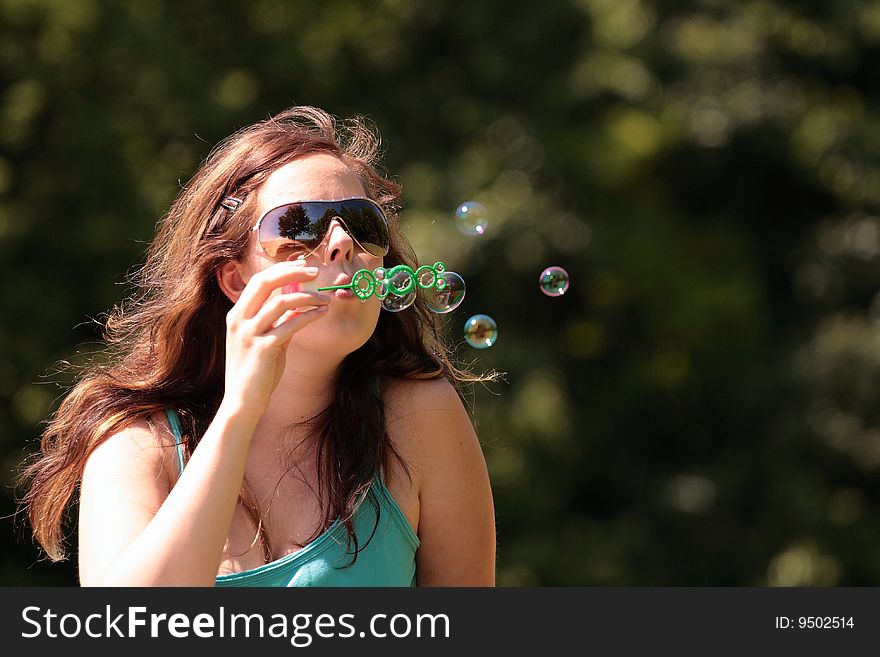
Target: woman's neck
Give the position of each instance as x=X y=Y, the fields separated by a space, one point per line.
x=304 y=391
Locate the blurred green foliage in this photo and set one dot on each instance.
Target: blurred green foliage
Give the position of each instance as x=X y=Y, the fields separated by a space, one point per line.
x=698 y=409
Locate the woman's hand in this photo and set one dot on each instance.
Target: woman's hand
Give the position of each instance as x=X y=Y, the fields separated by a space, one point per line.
x=258 y=329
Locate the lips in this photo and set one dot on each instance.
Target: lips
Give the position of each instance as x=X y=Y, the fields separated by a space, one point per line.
x=344 y=279
x=310 y=286
x=343 y=293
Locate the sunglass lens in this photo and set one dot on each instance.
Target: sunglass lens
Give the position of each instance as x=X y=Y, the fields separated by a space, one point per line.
x=299 y=228
x=288 y=231
x=368 y=227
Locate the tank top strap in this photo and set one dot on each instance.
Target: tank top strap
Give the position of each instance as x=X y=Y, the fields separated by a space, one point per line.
x=174 y=421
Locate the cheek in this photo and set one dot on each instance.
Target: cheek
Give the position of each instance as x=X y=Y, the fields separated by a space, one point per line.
x=254 y=262
x=377 y=310
x=370 y=261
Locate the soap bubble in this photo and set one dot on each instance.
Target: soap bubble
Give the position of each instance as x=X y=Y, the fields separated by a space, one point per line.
x=427 y=277
x=449 y=297
x=392 y=302
x=400 y=282
x=395 y=304
x=480 y=331
x=472 y=218
x=554 y=281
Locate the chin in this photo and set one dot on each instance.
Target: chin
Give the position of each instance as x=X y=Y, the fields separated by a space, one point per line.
x=335 y=338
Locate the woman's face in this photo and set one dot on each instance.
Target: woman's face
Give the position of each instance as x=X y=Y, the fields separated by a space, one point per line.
x=349 y=321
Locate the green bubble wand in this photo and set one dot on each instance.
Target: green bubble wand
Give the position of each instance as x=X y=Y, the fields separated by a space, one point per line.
x=381 y=282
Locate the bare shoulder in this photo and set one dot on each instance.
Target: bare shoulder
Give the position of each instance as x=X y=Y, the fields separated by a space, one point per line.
x=416 y=405
x=428 y=422
x=144 y=448
x=456 y=527
x=411 y=397
x=126 y=479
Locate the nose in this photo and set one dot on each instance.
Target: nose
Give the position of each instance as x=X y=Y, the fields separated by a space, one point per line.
x=340 y=245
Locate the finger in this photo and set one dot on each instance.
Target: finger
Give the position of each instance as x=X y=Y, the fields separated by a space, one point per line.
x=263 y=283
x=273 y=309
x=285 y=330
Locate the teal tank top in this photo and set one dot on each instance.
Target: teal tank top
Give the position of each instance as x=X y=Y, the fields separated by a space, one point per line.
x=387 y=560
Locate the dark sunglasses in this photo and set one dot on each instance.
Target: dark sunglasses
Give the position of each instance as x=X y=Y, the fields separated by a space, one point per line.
x=297 y=229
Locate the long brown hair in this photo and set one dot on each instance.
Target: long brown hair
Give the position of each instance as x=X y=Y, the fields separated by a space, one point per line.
x=165 y=344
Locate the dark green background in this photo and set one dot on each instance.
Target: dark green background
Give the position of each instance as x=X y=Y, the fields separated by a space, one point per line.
x=699 y=409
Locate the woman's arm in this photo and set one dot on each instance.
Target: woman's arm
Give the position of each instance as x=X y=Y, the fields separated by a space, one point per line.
x=456 y=512
x=134 y=532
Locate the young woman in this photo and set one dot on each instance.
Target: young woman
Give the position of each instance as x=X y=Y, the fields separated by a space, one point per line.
x=245 y=429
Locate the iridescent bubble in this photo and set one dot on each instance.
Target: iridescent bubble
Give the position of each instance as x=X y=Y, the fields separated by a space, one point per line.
x=553 y=281
x=449 y=297
x=480 y=331
x=472 y=218
x=394 y=303
x=427 y=278
x=401 y=281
